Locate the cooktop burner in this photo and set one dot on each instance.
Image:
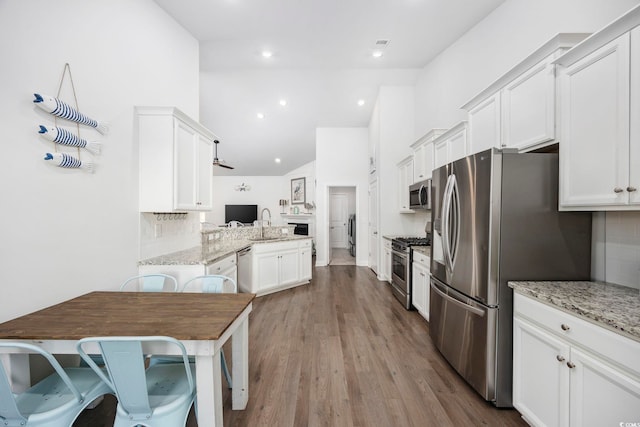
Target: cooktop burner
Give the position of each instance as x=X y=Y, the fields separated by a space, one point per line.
x=403 y=243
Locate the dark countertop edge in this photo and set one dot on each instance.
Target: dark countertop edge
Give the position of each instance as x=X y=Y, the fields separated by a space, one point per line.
x=557 y=301
x=197 y=259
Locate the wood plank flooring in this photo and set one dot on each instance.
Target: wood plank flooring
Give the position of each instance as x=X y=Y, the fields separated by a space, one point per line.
x=342 y=352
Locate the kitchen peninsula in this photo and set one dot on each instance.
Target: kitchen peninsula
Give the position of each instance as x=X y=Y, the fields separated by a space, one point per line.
x=261 y=260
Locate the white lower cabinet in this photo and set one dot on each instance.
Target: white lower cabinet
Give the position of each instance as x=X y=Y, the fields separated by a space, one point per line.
x=420 y=282
x=385 y=271
x=570 y=372
x=271 y=267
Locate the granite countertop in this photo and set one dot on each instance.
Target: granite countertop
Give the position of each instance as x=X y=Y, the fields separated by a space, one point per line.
x=194 y=256
x=424 y=250
x=613 y=306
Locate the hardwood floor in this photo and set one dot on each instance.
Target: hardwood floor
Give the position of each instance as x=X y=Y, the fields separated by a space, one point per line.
x=341 y=352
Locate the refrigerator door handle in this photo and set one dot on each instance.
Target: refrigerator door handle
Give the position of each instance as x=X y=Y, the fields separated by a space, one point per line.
x=446 y=208
x=452 y=245
x=467 y=307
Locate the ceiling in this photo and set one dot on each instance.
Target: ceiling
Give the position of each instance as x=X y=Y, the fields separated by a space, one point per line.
x=321 y=64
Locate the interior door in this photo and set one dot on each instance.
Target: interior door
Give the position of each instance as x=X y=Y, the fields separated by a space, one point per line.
x=373 y=226
x=338 y=216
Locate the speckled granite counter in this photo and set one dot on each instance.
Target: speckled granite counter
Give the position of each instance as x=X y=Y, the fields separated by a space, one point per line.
x=216 y=251
x=424 y=250
x=612 y=306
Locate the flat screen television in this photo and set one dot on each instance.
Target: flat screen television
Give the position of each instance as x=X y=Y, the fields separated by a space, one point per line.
x=245 y=214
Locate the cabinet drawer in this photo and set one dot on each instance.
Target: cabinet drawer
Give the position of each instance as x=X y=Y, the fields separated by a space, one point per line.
x=620 y=350
x=387 y=243
x=259 y=248
x=421 y=259
x=224 y=264
x=305 y=244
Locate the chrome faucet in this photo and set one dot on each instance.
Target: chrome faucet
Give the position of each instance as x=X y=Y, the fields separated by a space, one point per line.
x=262 y=221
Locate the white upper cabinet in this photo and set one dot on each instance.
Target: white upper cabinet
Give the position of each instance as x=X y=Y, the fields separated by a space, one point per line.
x=405 y=178
x=423 y=155
x=451 y=145
x=518 y=109
x=484 y=125
x=175 y=161
x=600 y=120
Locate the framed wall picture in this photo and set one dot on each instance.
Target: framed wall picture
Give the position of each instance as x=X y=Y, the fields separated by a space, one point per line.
x=298 y=191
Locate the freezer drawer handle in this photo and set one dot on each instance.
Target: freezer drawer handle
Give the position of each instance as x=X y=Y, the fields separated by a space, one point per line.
x=467 y=307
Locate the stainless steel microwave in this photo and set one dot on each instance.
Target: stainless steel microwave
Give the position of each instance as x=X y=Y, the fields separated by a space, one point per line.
x=420 y=195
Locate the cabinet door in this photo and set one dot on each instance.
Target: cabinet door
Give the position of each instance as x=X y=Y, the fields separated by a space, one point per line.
x=420 y=291
x=600 y=394
x=457 y=146
x=594 y=137
x=634 y=143
x=386 y=265
x=540 y=376
x=528 y=108
x=484 y=125
x=418 y=164
x=288 y=261
x=428 y=158
x=405 y=176
x=305 y=264
x=186 y=153
x=440 y=154
x=204 y=198
x=265 y=273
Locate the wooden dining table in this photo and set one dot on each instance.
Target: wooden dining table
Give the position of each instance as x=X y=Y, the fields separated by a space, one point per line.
x=202 y=322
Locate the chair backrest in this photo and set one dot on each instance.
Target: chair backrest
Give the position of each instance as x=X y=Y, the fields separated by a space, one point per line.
x=211 y=284
x=150 y=283
x=125 y=362
x=9 y=413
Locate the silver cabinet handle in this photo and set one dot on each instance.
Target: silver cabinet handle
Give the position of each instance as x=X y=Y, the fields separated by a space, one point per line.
x=565 y=327
x=571 y=365
x=631 y=189
x=560 y=358
x=618 y=190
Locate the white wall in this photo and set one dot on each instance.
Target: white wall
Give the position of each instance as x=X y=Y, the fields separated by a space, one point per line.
x=342 y=161
x=66 y=232
x=265 y=192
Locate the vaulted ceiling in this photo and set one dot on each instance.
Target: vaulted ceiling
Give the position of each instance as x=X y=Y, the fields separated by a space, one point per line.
x=321 y=64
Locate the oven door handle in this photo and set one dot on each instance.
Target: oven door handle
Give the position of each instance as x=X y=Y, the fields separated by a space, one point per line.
x=462 y=304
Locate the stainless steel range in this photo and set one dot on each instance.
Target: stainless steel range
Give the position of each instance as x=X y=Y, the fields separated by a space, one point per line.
x=401 y=266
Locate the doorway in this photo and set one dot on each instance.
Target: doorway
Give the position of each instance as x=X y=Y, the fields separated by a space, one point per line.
x=342 y=207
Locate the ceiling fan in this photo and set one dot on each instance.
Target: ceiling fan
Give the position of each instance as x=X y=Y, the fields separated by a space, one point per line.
x=217 y=162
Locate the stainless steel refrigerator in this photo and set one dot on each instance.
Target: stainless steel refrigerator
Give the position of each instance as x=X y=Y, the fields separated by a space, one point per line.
x=496 y=219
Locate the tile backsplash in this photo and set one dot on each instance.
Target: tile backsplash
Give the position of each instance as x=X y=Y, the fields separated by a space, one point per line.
x=622 y=248
x=165 y=233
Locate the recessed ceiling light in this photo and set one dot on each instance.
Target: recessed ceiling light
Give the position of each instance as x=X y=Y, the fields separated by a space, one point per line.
x=283 y=102
x=277 y=160
x=260 y=116
x=360 y=102
x=377 y=54
x=267 y=53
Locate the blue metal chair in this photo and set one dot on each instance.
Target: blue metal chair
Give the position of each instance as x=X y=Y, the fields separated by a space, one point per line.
x=214 y=283
x=56 y=401
x=150 y=283
x=160 y=396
